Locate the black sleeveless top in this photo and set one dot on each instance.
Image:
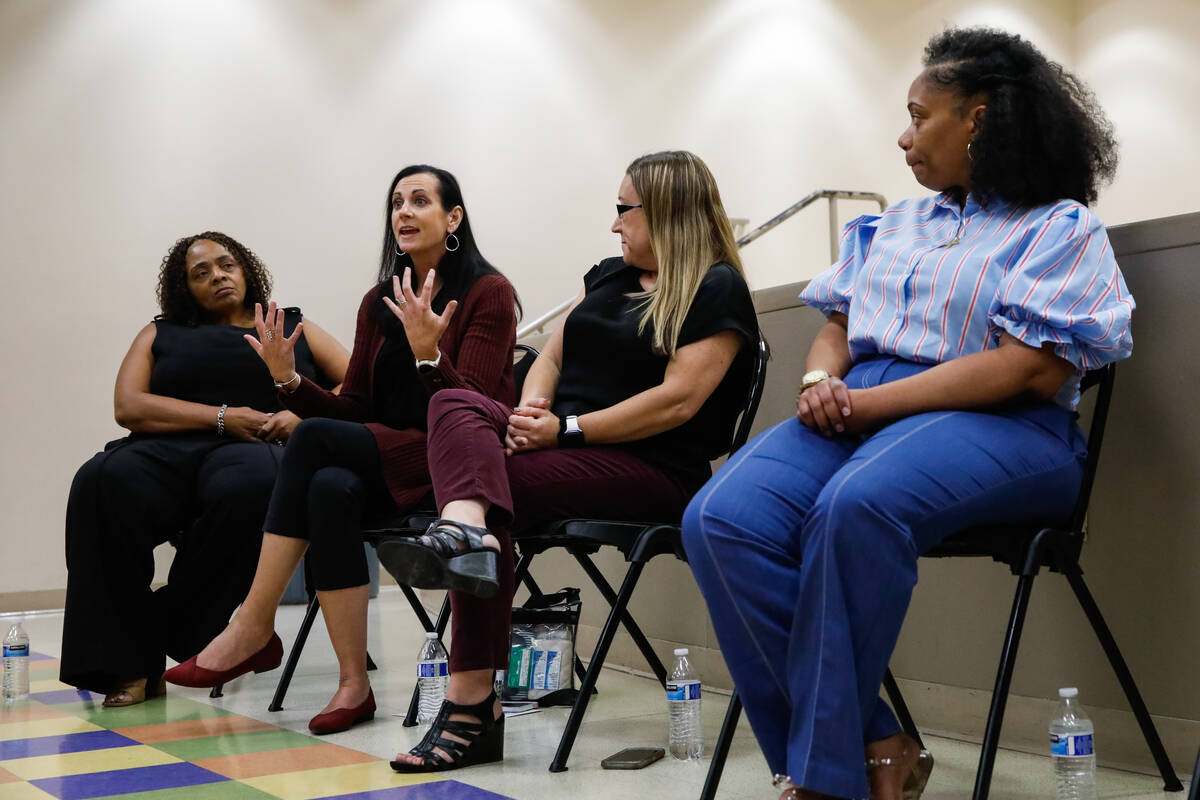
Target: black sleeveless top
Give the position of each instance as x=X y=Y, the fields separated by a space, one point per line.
x=213 y=364
x=606 y=360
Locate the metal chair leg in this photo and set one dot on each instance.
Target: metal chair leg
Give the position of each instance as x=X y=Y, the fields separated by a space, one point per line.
x=1194 y=792
x=289 y=668
x=901 y=707
x=1008 y=658
x=626 y=618
x=559 y=764
x=721 y=749
x=1149 y=731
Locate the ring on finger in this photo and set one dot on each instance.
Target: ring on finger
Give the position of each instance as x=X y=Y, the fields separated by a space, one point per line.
x=270 y=334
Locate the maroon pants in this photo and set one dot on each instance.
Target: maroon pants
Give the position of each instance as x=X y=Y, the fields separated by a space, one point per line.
x=467 y=461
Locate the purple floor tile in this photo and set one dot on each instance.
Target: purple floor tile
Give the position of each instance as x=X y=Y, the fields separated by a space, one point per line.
x=438 y=790
x=127 y=781
x=64 y=696
x=67 y=743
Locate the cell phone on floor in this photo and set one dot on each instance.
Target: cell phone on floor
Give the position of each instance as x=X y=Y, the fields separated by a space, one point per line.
x=633 y=758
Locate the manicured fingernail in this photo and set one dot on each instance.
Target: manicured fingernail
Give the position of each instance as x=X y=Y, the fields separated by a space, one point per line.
x=846 y=411
x=839 y=428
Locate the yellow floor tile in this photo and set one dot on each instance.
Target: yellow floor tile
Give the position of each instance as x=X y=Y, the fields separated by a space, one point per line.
x=45 y=727
x=63 y=764
x=335 y=780
x=49 y=685
x=25 y=791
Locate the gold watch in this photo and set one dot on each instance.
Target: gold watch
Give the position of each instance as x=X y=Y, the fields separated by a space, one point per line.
x=812 y=378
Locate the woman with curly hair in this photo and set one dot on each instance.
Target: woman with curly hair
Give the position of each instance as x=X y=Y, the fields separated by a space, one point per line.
x=196 y=469
x=940 y=394
x=440 y=316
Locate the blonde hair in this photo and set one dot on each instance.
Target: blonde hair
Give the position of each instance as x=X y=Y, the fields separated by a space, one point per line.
x=689 y=232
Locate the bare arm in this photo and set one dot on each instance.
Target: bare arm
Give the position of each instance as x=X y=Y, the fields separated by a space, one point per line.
x=542 y=379
x=1011 y=371
x=692 y=374
x=137 y=410
x=328 y=354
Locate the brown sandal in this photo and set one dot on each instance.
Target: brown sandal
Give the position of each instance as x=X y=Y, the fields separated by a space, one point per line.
x=134 y=692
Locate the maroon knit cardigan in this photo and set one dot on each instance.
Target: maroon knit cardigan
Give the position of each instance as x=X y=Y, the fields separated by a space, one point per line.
x=477 y=354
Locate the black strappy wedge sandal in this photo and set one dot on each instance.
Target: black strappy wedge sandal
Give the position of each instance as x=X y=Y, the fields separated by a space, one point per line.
x=484 y=739
x=434 y=559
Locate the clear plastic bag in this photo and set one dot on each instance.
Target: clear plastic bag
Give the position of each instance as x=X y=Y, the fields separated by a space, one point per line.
x=542 y=653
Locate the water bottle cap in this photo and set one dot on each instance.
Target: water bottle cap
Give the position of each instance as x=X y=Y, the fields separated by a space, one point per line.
x=681 y=651
x=430 y=634
x=1069 y=691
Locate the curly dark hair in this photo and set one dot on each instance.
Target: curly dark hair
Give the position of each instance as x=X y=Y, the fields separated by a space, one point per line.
x=175 y=299
x=1043 y=137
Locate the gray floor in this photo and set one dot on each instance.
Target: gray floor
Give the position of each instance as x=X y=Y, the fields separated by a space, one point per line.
x=629 y=711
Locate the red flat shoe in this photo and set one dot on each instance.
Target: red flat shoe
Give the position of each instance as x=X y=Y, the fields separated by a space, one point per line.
x=343 y=719
x=191 y=674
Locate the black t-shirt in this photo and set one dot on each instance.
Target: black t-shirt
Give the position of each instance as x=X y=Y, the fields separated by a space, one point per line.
x=605 y=361
x=213 y=364
x=399 y=395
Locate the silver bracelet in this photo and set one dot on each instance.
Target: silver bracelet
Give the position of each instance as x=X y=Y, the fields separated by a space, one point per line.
x=221 y=419
x=284 y=384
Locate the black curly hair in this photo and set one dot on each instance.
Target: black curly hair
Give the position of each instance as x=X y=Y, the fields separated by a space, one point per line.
x=175 y=299
x=1043 y=137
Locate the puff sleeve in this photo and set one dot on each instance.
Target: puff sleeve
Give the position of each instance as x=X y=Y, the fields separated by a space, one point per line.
x=833 y=289
x=1066 y=289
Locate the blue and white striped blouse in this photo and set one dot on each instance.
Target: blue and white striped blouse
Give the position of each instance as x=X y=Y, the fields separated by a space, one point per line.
x=928 y=282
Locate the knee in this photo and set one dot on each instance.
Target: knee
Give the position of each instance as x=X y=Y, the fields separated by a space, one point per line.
x=853 y=516
x=449 y=403
x=310 y=434
x=240 y=487
x=333 y=487
x=712 y=513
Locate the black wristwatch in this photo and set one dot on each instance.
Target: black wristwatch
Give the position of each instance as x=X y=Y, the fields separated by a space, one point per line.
x=569 y=432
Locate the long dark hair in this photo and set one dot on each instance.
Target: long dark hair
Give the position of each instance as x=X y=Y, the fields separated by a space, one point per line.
x=175 y=298
x=1043 y=137
x=458 y=269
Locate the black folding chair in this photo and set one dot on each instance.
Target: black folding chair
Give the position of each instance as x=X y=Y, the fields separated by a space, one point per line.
x=1025 y=549
x=1194 y=792
x=375 y=531
x=638 y=542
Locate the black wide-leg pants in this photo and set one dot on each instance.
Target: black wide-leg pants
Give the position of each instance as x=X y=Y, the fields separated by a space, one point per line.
x=208 y=496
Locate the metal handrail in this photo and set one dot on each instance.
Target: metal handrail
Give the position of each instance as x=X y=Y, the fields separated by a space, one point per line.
x=832 y=195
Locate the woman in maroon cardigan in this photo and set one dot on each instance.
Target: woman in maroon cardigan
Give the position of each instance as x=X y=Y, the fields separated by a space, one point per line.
x=452 y=325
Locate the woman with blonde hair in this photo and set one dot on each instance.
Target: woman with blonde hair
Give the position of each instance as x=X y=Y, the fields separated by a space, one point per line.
x=631 y=398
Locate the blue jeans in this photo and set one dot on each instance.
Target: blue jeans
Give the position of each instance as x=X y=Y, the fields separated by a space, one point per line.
x=805 y=548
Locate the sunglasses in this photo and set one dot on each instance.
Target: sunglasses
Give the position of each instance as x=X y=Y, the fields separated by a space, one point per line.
x=622 y=208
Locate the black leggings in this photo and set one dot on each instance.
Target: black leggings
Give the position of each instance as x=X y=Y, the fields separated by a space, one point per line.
x=329 y=479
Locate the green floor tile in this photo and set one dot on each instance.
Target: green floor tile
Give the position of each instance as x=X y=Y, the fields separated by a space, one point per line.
x=160 y=709
x=235 y=744
x=225 y=790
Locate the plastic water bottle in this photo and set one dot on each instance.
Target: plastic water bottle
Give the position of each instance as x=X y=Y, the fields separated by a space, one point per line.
x=433 y=673
x=686 y=740
x=1071 y=750
x=16 y=664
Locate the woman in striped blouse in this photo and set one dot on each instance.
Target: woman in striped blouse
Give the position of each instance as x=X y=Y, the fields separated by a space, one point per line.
x=940 y=393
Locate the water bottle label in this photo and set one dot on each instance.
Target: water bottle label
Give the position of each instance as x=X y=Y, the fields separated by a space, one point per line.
x=683 y=691
x=433 y=669
x=1071 y=746
x=16 y=650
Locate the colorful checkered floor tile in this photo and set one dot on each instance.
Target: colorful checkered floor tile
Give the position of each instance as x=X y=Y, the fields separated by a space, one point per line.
x=62 y=744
